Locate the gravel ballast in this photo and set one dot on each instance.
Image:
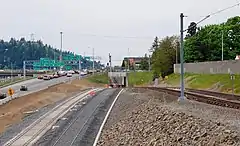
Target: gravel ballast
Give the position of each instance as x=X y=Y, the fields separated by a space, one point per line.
x=145 y=117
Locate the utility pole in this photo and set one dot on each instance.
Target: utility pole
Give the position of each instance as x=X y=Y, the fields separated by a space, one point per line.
x=128 y=60
x=182 y=58
x=80 y=67
x=149 y=63
x=24 y=69
x=11 y=72
x=222 y=45
x=60 y=59
x=84 y=59
x=93 y=61
x=177 y=54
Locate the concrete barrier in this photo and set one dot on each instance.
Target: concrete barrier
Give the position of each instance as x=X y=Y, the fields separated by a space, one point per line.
x=212 y=67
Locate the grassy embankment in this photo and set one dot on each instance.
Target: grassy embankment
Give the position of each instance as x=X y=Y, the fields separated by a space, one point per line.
x=139 y=78
x=217 y=82
x=99 y=79
x=135 y=78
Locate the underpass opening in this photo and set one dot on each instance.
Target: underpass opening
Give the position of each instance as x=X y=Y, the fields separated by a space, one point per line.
x=118 y=79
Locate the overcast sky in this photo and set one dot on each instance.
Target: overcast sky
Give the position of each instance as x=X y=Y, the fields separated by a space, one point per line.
x=85 y=22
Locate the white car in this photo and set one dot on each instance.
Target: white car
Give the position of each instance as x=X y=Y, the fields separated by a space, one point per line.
x=83 y=73
x=61 y=73
x=46 y=77
x=71 y=72
x=69 y=75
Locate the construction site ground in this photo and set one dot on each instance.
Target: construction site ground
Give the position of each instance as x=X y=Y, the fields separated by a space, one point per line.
x=14 y=111
x=145 y=117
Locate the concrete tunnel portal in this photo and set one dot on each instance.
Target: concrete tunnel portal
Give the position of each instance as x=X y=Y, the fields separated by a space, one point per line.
x=118 y=79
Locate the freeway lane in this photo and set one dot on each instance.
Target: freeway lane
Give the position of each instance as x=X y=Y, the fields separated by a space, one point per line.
x=81 y=124
x=17 y=85
x=34 y=82
x=35 y=85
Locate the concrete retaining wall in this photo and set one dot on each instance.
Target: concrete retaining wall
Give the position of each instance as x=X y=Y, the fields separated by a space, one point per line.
x=213 y=67
x=120 y=77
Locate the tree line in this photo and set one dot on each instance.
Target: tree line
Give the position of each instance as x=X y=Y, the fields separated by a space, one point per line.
x=200 y=44
x=14 y=52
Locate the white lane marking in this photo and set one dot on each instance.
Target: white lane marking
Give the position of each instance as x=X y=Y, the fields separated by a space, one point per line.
x=31 y=112
x=54 y=127
x=105 y=119
x=73 y=109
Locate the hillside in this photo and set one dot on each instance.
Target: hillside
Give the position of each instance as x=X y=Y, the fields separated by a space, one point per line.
x=214 y=82
x=16 y=51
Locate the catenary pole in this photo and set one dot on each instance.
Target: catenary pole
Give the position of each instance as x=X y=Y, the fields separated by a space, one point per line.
x=181 y=58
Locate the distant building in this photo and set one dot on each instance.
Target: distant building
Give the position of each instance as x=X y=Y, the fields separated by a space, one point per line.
x=133 y=61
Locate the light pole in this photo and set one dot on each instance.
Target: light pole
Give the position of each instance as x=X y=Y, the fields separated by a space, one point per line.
x=80 y=67
x=11 y=72
x=222 y=45
x=60 y=59
x=128 y=60
x=149 y=63
x=24 y=69
x=93 y=61
x=84 y=60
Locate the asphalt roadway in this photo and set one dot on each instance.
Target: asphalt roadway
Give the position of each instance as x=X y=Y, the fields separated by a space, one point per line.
x=35 y=85
x=81 y=124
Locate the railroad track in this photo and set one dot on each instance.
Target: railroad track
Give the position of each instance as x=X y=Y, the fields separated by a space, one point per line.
x=215 y=98
x=34 y=131
x=212 y=93
x=75 y=123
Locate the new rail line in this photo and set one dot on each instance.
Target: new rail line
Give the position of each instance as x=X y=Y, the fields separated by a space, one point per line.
x=38 y=128
x=209 y=97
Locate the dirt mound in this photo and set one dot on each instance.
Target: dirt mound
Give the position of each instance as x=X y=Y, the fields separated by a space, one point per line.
x=85 y=83
x=14 y=111
x=64 y=88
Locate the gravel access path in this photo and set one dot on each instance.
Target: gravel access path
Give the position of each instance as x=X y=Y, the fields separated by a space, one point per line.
x=144 y=117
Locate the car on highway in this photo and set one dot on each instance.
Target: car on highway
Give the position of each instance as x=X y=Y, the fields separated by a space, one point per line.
x=69 y=75
x=83 y=73
x=3 y=95
x=51 y=76
x=55 y=76
x=46 y=77
x=40 y=77
x=76 y=71
x=62 y=73
x=71 y=72
x=23 y=88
